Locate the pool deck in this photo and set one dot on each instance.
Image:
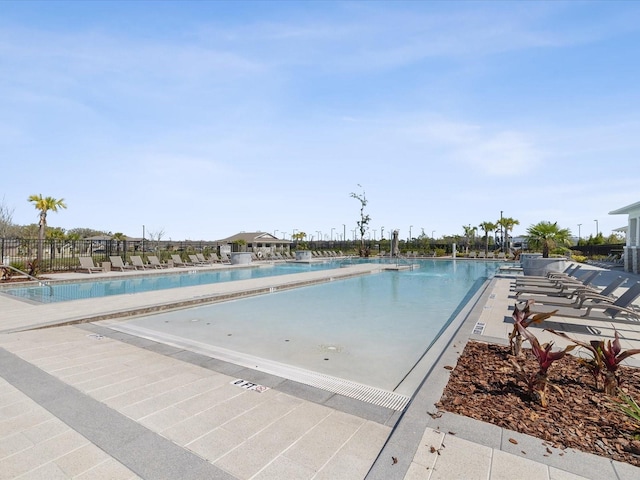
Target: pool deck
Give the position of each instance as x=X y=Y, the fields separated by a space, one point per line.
x=80 y=400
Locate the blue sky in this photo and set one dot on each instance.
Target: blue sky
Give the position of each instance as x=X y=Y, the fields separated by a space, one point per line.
x=202 y=119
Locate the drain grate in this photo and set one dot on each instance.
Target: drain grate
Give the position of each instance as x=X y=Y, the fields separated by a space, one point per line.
x=479 y=328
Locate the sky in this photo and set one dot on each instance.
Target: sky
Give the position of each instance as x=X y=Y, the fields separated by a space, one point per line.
x=199 y=120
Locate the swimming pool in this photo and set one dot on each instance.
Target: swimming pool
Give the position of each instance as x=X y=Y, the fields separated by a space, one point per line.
x=372 y=330
x=67 y=291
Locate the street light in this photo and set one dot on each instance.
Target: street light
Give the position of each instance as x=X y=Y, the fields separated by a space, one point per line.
x=579 y=237
x=332 y=229
x=274 y=233
x=319 y=235
x=374 y=234
x=410 y=227
x=381 y=233
x=596 y=227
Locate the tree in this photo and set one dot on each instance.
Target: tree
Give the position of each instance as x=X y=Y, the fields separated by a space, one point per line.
x=469 y=233
x=507 y=223
x=363 y=222
x=6 y=219
x=486 y=228
x=44 y=204
x=547 y=235
x=119 y=237
x=86 y=232
x=155 y=236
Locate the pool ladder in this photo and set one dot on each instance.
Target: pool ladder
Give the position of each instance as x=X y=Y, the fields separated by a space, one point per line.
x=40 y=282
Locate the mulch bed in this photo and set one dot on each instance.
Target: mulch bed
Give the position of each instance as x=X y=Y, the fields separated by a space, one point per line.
x=483 y=386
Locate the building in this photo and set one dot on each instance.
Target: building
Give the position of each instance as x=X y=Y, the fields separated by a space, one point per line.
x=257 y=242
x=630 y=254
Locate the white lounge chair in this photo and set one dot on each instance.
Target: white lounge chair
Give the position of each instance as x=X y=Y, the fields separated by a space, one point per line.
x=117 y=262
x=155 y=262
x=86 y=263
x=178 y=262
x=137 y=262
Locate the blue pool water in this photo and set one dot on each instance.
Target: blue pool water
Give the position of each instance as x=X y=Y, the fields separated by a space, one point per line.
x=62 y=292
x=372 y=329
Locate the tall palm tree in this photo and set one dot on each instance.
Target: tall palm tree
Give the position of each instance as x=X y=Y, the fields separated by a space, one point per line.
x=486 y=228
x=44 y=204
x=469 y=233
x=547 y=235
x=119 y=237
x=507 y=223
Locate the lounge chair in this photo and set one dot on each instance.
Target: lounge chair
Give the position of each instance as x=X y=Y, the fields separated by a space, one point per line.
x=117 y=262
x=155 y=262
x=482 y=255
x=137 y=262
x=178 y=262
x=561 y=288
x=550 y=277
x=203 y=259
x=612 y=312
x=472 y=254
x=86 y=263
x=196 y=261
x=570 y=271
x=580 y=296
x=224 y=258
x=213 y=258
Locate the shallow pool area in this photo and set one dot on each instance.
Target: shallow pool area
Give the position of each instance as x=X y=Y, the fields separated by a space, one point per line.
x=371 y=330
x=68 y=291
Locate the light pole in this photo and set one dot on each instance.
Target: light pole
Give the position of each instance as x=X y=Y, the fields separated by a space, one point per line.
x=332 y=229
x=501 y=237
x=275 y=232
x=374 y=234
x=319 y=235
x=579 y=237
x=410 y=227
x=381 y=233
x=432 y=232
x=596 y=227
x=344 y=232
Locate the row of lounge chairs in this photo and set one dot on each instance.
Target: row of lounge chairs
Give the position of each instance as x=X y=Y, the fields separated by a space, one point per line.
x=573 y=295
x=611 y=261
x=499 y=255
x=195 y=260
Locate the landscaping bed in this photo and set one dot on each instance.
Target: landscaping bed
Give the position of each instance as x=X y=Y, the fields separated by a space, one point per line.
x=483 y=385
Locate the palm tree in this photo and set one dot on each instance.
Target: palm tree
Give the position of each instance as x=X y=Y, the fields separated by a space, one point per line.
x=547 y=235
x=507 y=223
x=469 y=233
x=486 y=228
x=119 y=237
x=44 y=204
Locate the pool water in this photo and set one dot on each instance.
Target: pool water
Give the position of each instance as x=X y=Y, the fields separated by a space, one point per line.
x=63 y=292
x=372 y=329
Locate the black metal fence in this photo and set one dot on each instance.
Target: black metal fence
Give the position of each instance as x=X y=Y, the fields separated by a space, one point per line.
x=599 y=250
x=62 y=255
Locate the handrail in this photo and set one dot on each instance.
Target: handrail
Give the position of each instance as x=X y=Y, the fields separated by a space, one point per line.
x=40 y=282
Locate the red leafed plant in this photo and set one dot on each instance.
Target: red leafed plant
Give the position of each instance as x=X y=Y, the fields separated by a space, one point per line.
x=606 y=358
x=524 y=318
x=538 y=382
